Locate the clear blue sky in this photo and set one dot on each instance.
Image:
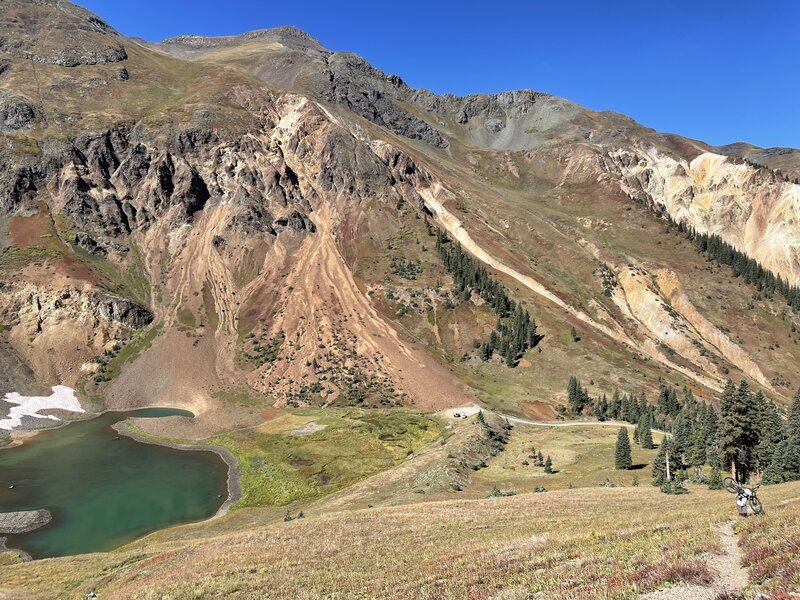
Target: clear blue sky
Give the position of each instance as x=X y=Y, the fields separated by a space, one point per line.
x=720 y=71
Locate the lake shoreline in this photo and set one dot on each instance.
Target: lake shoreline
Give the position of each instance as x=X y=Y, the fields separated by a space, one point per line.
x=23 y=556
x=234 y=470
x=122 y=427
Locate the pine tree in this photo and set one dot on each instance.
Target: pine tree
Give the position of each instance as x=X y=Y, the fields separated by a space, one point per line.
x=771 y=432
x=540 y=459
x=785 y=463
x=711 y=430
x=548 y=465
x=794 y=417
x=622 y=457
x=737 y=432
x=715 y=480
x=615 y=406
x=646 y=436
x=681 y=439
x=573 y=391
x=660 y=463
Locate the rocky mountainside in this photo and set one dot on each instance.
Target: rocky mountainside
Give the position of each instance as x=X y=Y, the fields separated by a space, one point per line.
x=242 y=221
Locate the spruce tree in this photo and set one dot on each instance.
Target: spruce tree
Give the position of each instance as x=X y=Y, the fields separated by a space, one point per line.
x=794 y=417
x=660 y=463
x=548 y=465
x=573 y=392
x=771 y=432
x=715 y=480
x=622 y=457
x=646 y=436
x=681 y=439
x=737 y=432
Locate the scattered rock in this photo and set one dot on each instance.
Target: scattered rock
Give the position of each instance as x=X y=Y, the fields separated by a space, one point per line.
x=495 y=125
x=83 y=241
x=296 y=221
x=16 y=113
x=122 y=74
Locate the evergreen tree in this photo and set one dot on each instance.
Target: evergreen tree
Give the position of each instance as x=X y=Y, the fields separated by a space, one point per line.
x=622 y=457
x=681 y=439
x=741 y=265
x=696 y=455
x=715 y=480
x=600 y=409
x=711 y=429
x=548 y=465
x=794 y=417
x=646 y=436
x=771 y=432
x=737 y=432
x=615 y=406
x=516 y=330
x=784 y=464
x=660 y=463
x=577 y=396
x=573 y=392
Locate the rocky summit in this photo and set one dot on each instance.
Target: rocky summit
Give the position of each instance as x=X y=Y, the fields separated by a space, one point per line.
x=249 y=226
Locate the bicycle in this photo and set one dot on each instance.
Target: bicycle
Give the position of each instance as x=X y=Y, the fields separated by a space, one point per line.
x=734 y=487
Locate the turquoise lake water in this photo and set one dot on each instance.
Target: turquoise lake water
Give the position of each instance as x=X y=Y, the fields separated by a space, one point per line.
x=104 y=492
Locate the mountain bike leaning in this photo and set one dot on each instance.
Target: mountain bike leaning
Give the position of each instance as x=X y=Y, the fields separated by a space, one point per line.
x=745 y=496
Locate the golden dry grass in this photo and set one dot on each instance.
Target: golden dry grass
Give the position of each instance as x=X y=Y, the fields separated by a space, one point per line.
x=582 y=456
x=584 y=543
x=771 y=549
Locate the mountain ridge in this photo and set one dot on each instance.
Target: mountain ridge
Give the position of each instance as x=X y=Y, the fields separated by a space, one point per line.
x=218 y=188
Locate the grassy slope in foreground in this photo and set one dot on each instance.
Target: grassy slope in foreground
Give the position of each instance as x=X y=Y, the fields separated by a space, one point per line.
x=585 y=543
x=771 y=547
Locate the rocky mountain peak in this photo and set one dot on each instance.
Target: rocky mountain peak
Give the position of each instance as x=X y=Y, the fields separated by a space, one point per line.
x=57 y=32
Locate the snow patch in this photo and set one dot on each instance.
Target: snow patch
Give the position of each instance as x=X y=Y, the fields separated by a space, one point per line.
x=62 y=398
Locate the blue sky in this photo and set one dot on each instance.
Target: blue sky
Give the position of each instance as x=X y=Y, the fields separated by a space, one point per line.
x=720 y=71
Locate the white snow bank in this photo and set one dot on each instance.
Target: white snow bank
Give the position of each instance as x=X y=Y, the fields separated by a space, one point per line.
x=62 y=397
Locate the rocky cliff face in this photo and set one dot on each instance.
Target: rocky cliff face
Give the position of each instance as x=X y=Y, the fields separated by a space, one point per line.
x=237 y=235
x=754 y=209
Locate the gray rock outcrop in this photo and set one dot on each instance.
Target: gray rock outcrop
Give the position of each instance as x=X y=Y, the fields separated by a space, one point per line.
x=13 y=523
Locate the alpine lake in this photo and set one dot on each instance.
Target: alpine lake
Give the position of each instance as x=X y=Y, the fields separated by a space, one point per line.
x=104 y=490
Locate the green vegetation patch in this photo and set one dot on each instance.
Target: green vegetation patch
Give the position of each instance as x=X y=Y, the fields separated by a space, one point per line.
x=241 y=395
x=186 y=318
x=19 y=257
x=312 y=452
x=132 y=350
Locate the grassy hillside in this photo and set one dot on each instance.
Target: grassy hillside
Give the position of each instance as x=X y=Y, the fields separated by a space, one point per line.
x=588 y=543
x=388 y=536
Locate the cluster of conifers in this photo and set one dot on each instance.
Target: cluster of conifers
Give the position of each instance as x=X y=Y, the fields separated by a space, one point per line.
x=515 y=331
x=750 y=436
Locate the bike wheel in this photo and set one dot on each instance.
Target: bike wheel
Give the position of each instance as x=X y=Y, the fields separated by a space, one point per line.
x=729 y=484
x=756 y=505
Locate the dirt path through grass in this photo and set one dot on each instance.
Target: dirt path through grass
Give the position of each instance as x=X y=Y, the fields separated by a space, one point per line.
x=731 y=577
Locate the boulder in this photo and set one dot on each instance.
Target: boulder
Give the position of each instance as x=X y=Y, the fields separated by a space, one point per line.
x=13 y=523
